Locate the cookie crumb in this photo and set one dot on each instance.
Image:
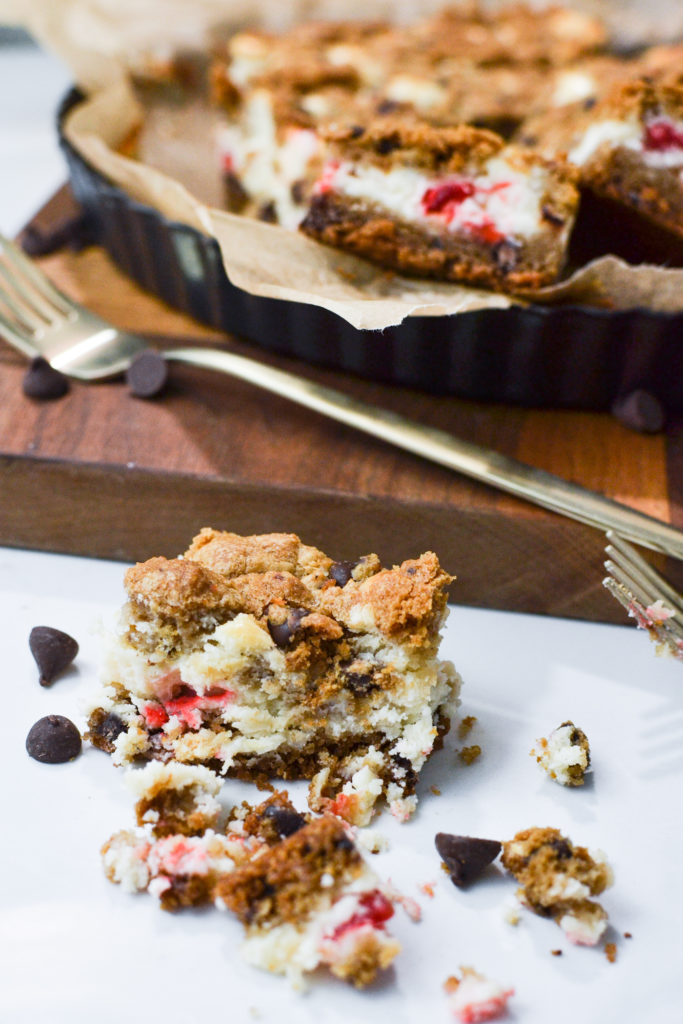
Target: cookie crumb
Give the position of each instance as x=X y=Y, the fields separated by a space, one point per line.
x=470 y=754
x=474 y=997
x=428 y=889
x=556 y=952
x=511 y=914
x=611 y=951
x=435 y=790
x=465 y=726
x=564 y=755
x=628 y=935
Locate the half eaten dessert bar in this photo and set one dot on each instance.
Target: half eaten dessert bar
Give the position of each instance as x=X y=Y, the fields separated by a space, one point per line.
x=262 y=657
x=449 y=203
x=296 y=882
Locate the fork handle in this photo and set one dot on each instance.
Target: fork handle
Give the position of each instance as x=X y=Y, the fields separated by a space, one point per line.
x=472 y=460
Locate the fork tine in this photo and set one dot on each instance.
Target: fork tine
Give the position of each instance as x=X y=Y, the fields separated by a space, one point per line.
x=640 y=604
x=38 y=280
x=25 y=317
x=641 y=571
x=21 y=341
x=31 y=299
x=645 y=595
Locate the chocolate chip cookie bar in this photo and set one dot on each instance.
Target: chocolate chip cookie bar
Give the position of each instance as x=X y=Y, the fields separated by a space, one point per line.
x=455 y=204
x=262 y=657
x=628 y=149
x=296 y=882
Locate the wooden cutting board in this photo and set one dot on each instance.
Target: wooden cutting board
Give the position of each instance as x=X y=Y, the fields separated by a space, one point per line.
x=104 y=474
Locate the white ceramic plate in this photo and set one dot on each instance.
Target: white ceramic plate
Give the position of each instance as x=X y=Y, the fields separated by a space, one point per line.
x=75 y=948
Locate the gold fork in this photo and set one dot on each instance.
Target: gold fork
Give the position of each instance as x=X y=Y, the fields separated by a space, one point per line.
x=40 y=320
x=647 y=597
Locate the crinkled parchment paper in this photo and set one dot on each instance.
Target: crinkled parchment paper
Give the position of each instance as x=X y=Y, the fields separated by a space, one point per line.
x=102 y=39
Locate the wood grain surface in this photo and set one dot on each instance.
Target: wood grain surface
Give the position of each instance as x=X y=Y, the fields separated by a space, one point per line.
x=102 y=473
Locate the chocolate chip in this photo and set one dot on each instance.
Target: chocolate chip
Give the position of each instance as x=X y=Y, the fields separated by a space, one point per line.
x=342 y=572
x=110 y=728
x=43 y=382
x=298 y=190
x=590 y=102
x=147 y=374
x=343 y=843
x=357 y=131
x=52 y=650
x=387 y=107
x=53 y=740
x=640 y=410
x=387 y=145
x=552 y=217
x=236 y=196
x=359 y=683
x=283 y=632
x=561 y=848
x=505 y=254
x=464 y=856
x=76 y=232
x=286 y=822
x=267 y=212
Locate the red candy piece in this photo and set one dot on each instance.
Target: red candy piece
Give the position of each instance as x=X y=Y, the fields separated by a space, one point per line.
x=376 y=909
x=442 y=198
x=661 y=136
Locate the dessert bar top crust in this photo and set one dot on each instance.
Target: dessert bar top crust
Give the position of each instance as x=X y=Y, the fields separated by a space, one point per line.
x=265 y=575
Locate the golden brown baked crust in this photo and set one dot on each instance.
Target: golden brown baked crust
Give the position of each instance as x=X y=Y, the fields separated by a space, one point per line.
x=389 y=141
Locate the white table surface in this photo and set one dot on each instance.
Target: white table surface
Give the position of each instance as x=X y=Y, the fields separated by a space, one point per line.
x=74 y=948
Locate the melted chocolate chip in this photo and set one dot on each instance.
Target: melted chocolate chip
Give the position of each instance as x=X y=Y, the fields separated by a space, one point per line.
x=561 y=848
x=387 y=107
x=342 y=572
x=52 y=650
x=283 y=632
x=53 y=740
x=43 y=382
x=359 y=683
x=357 y=131
x=505 y=254
x=147 y=374
x=343 y=843
x=268 y=212
x=286 y=822
x=640 y=410
x=109 y=729
x=387 y=145
x=590 y=102
x=236 y=196
x=464 y=856
x=553 y=218
x=298 y=190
